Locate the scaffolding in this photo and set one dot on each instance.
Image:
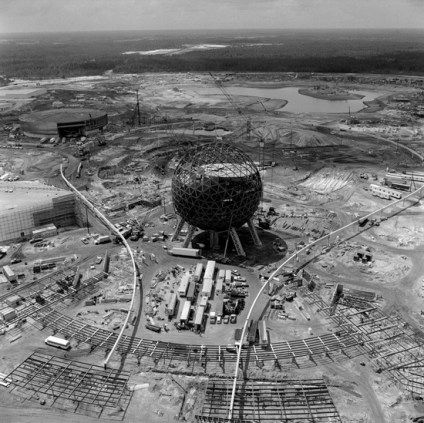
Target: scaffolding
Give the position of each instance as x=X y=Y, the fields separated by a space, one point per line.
x=290 y=354
x=286 y=401
x=74 y=386
x=393 y=345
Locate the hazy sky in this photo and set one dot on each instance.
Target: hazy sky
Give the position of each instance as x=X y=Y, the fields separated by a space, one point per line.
x=86 y=15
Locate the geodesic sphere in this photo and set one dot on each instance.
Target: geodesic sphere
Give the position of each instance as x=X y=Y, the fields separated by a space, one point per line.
x=216 y=186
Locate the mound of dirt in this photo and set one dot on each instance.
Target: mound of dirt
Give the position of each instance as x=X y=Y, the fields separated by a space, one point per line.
x=308 y=139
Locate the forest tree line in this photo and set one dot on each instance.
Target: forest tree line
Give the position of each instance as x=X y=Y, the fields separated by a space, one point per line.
x=46 y=62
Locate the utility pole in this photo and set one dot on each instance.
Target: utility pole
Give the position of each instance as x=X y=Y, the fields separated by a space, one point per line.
x=163 y=200
x=137 y=111
x=261 y=147
x=277 y=134
x=86 y=220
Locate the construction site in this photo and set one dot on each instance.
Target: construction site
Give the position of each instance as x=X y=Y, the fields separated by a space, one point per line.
x=212 y=247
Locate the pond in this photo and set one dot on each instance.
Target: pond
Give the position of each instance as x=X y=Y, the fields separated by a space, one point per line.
x=298 y=103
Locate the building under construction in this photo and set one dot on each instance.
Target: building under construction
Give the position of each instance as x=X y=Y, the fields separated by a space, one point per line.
x=32 y=205
x=217 y=188
x=63 y=122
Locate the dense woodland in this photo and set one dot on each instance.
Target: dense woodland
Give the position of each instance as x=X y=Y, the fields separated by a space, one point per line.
x=62 y=55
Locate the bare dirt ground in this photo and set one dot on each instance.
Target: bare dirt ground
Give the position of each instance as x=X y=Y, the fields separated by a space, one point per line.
x=315 y=187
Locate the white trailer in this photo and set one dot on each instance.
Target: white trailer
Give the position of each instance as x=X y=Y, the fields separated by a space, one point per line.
x=182 y=289
x=263 y=334
x=203 y=302
x=172 y=304
x=198 y=318
x=102 y=239
x=410 y=176
x=185 y=311
x=198 y=272
x=45 y=232
x=185 y=252
x=384 y=192
x=207 y=287
x=228 y=276
x=219 y=285
x=210 y=269
x=57 y=342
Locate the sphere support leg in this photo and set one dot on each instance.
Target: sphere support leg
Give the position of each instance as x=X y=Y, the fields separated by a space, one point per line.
x=254 y=233
x=237 y=242
x=178 y=229
x=189 y=236
x=213 y=240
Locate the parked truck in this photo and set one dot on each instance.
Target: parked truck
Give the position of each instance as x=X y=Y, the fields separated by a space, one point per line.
x=125 y=232
x=103 y=239
x=212 y=314
x=154 y=328
x=185 y=252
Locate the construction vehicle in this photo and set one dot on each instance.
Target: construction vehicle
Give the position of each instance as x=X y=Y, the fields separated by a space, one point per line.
x=272 y=212
x=266 y=222
x=136 y=235
x=125 y=232
x=85 y=149
x=100 y=140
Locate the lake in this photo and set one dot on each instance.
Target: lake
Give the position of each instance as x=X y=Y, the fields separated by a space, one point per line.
x=298 y=103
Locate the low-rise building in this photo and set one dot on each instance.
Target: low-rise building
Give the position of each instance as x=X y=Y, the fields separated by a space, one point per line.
x=13 y=301
x=9 y=274
x=7 y=314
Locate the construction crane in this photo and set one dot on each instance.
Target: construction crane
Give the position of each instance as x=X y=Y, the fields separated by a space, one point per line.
x=227 y=95
x=136 y=112
x=260 y=135
x=263 y=105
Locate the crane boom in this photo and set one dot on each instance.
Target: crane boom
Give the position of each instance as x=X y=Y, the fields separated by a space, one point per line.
x=227 y=95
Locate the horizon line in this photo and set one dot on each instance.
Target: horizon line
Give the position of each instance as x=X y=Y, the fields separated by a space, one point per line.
x=211 y=29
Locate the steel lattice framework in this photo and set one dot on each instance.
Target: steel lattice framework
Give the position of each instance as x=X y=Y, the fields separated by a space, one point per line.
x=216 y=187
